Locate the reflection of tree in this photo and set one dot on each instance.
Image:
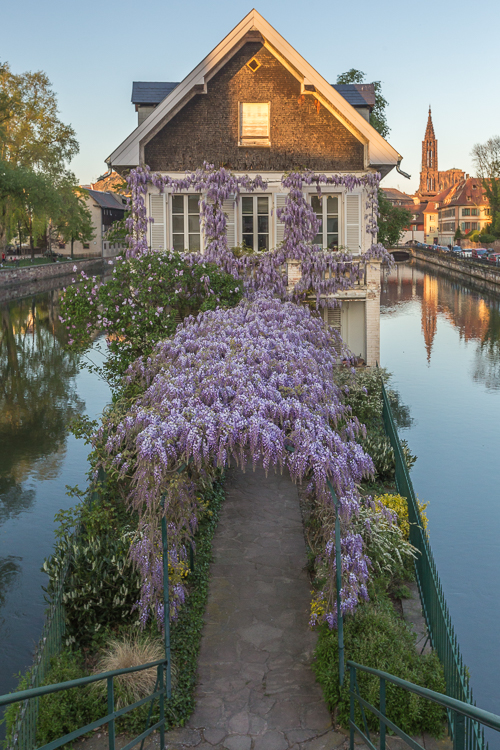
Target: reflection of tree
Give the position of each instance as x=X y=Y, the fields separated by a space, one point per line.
x=37 y=390
x=487 y=360
x=9 y=567
x=400 y=411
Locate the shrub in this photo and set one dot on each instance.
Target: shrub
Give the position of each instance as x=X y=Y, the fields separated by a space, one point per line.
x=68 y=710
x=130 y=651
x=399 y=505
x=376 y=637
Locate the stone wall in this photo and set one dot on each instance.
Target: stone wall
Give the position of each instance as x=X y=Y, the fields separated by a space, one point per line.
x=303 y=133
x=460 y=267
x=14 y=277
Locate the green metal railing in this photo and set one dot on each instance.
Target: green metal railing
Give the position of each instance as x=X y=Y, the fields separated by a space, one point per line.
x=160 y=691
x=464 y=717
x=441 y=632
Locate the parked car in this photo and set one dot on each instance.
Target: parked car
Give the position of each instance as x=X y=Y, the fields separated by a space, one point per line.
x=457 y=250
x=494 y=257
x=52 y=254
x=466 y=253
x=479 y=252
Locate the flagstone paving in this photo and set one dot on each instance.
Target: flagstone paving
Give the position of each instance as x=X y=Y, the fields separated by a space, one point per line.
x=256 y=689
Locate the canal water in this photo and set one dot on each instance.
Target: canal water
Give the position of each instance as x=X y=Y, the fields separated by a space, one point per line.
x=441 y=340
x=41 y=389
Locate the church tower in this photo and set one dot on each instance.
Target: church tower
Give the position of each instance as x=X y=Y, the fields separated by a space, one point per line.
x=429 y=175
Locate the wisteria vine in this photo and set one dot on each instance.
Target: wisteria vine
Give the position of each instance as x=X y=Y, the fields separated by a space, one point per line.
x=249 y=385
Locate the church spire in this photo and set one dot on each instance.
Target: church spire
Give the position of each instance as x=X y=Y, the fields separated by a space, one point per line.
x=429 y=173
x=429 y=131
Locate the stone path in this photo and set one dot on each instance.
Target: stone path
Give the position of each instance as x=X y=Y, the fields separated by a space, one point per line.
x=256 y=689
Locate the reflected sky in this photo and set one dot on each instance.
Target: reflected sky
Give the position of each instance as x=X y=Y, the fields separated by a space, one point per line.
x=441 y=340
x=41 y=390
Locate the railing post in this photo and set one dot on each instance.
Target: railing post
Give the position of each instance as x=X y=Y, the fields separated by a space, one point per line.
x=166 y=602
x=161 y=683
x=459 y=732
x=352 y=676
x=382 y=711
x=111 y=710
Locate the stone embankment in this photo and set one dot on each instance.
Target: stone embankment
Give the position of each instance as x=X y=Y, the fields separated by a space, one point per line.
x=460 y=268
x=38 y=278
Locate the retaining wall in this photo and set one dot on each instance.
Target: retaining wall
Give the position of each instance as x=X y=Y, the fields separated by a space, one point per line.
x=459 y=267
x=34 y=276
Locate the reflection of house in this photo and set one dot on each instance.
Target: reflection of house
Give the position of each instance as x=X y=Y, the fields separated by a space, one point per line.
x=257 y=107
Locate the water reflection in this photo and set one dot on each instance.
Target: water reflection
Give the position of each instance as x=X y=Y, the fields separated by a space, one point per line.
x=37 y=397
x=474 y=315
x=41 y=389
x=440 y=337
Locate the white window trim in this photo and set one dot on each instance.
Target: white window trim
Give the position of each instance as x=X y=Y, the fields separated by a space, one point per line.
x=340 y=214
x=271 y=218
x=170 y=221
x=255 y=142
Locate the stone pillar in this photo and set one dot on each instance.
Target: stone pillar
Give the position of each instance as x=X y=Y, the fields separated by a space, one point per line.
x=372 y=313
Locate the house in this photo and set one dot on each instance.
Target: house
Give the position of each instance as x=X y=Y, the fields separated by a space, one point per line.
x=415 y=230
x=106 y=208
x=463 y=206
x=431 y=222
x=255 y=106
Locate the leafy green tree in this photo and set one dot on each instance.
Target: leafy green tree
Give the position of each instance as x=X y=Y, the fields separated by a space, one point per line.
x=35 y=147
x=392 y=221
x=378 y=118
x=73 y=220
x=486 y=159
x=458 y=234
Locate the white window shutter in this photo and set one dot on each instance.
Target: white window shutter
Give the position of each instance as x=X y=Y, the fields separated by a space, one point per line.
x=279 y=202
x=229 y=209
x=353 y=223
x=158 y=227
x=334 y=317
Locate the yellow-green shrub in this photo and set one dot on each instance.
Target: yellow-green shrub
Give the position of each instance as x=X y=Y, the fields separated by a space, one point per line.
x=399 y=505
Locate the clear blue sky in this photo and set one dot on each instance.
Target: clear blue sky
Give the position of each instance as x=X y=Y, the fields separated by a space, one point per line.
x=443 y=54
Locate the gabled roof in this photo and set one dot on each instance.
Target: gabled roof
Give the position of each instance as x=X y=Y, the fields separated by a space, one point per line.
x=106 y=200
x=380 y=155
x=469 y=192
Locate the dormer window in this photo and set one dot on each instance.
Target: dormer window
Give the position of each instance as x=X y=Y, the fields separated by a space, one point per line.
x=253 y=64
x=254 y=124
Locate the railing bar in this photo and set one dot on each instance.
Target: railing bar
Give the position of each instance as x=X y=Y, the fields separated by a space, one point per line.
x=5 y=700
x=357 y=729
x=142 y=736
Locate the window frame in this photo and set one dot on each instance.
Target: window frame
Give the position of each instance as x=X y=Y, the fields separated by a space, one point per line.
x=255 y=142
x=186 y=215
x=255 y=214
x=324 y=224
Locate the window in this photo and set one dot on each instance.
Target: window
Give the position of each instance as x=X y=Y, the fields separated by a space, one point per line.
x=186 y=222
x=255 y=221
x=326 y=209
x=487 y=211
x=466 y=225
x=465 y=211
x=474 y=212
x=474 y=225
x=254 y=125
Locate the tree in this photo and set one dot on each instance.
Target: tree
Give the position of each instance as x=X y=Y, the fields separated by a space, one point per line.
x=486 y=159
x=73 y=220
x=392 y=221
x=378 y=117
x=35 y=147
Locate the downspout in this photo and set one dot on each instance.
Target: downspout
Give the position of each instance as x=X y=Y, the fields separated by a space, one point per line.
x=408 y=177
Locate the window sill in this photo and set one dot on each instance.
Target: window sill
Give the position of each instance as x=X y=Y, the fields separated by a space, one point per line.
x=254 y=144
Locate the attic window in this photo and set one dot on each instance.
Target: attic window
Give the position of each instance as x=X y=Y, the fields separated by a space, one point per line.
x=253 y=64
x=254 y=124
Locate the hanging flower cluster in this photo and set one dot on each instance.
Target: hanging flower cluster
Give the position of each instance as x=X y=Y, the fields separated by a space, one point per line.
x=252 y=384
x=322 y=273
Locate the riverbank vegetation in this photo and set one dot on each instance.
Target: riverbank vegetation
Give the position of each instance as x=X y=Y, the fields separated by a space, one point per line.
x=250 y=376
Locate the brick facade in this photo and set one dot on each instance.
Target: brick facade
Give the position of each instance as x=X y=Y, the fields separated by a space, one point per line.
x=304 y=135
